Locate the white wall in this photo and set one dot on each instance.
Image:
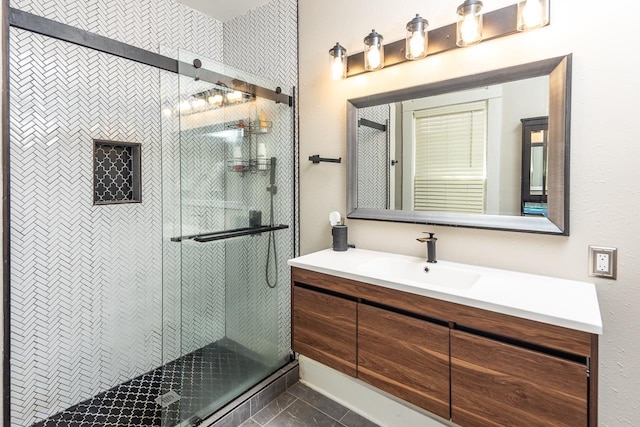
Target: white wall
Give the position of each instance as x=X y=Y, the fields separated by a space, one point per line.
x=605 y=150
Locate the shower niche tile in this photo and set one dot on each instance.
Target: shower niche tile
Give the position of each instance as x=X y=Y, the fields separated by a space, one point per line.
x=116 y=172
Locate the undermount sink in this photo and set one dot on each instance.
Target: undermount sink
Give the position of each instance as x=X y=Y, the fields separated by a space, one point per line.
x=414 y=272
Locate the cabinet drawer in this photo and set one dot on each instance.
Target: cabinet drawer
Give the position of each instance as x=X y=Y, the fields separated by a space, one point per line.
x=324 y=329
x=405 y=356
x=498 y=384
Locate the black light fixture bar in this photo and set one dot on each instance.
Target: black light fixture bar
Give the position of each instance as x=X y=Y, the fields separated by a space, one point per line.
x=499 y=23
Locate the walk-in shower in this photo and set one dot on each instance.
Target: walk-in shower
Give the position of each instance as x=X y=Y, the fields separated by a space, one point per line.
x=149 y=231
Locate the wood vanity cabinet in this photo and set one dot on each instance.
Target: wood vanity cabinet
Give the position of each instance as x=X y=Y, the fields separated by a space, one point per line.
x=324 y=328
x=497 y=384
x=404 y=356
x=472 y=366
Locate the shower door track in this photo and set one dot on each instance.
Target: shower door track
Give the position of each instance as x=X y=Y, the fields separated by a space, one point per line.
x=50 y=28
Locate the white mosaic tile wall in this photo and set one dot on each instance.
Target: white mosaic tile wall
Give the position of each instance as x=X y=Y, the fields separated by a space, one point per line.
x=90 y=304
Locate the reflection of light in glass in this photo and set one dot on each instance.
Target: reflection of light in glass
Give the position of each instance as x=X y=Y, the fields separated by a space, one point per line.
x=373 y=57
x=337 y=67
x=533 y=14
x=338 y=62
x=184 y=107
x=373 y=51
x=166 y=112
x=469 y=29
x=198 y=103
x=416 y=38
x=416 y=45
x=234 y=96
x=229 y=134
x=215 y=99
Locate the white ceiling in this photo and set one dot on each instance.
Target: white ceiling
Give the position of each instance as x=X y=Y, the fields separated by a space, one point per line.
x=223 y=10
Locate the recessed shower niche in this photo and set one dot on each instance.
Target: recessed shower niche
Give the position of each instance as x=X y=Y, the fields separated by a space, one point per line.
x=116 y=172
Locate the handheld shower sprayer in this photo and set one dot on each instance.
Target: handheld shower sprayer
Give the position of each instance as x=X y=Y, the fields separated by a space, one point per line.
x=272 y=178
x=271 y=244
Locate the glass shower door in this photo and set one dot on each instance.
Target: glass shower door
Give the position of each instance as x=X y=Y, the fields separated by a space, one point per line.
x=222 y=288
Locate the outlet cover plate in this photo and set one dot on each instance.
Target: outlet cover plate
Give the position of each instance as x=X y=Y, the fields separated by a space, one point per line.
x=611 y=253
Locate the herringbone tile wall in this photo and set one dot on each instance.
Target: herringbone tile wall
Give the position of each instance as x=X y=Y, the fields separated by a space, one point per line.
x=264 y=42
x=86 y=280
x=146 y=24
x=373 y=158
x=100 y=294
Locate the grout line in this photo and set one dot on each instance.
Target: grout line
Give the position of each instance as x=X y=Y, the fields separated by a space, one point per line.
x=345 y=414
x=283 y=409
x=322 y=412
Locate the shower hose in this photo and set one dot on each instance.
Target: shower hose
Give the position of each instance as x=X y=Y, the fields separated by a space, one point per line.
x=271 y=248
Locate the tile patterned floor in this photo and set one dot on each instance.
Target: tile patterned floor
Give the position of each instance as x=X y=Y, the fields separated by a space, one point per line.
x=199 y=378
x=301 y=406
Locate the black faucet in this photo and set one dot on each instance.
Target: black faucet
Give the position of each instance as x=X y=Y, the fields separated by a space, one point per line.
x=431 y=246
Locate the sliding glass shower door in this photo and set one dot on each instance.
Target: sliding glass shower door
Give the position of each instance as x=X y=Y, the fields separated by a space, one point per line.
x=225 y=326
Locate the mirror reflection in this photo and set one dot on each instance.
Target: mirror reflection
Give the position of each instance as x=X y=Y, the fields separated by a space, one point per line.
x=479 y=148
x=456 y=152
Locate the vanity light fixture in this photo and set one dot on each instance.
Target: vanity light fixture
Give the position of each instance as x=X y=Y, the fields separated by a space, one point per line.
x=209 y=100
x=234 y=96
x=417 y=38
x=215 y=99
x=338 y=62
x=532 y=14
x=469 y=27
x=373 y=51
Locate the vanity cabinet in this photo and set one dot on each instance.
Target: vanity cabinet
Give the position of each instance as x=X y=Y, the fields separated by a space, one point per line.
x=324 y=329
x=498 y=384
x=404 y=356
x=473 y=366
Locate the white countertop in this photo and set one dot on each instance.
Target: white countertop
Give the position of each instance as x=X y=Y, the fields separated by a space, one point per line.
x=560 y=302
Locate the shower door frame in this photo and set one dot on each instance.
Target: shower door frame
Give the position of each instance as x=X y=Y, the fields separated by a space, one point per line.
x=26 y=21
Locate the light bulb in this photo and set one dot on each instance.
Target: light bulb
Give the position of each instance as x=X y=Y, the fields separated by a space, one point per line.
x=215 y=99
x=416 y=38
x=373 y=51
x=336 y=68
x=338 y=64
x=234 y=96
x=416 y=45
x=469 y=29
x=373 y=55
x=198 y=103
x=532 y=14
x=184 y=106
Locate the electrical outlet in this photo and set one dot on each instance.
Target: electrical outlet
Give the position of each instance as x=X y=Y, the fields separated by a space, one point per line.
x=602 y=262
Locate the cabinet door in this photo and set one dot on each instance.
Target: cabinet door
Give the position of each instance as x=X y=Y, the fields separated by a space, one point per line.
x=404 y=356
x=324 y=329
x=497 y=384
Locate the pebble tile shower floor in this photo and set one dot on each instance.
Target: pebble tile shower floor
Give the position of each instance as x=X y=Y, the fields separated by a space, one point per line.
x=199 y=378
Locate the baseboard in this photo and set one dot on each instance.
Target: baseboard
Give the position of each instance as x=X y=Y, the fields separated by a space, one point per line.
x=371 y=403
